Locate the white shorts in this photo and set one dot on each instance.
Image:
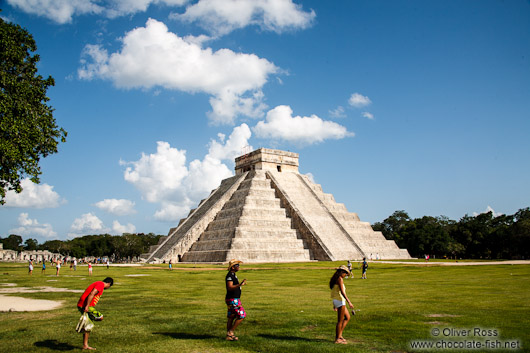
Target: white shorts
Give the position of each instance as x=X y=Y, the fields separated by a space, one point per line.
x=338 y=303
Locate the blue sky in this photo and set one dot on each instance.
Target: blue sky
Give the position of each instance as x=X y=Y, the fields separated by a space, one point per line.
x=422 y=106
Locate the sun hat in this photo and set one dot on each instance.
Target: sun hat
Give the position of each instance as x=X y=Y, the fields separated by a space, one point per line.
x=233 y=262
x=345 y=269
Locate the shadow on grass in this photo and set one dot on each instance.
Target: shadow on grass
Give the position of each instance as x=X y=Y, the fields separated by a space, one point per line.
x=55 y=345
x=291 y=338
x=185 y=336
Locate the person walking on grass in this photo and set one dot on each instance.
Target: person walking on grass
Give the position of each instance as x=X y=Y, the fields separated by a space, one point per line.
x=88 y=301
x=43 y=266
x=236 y=313
x=364 y=268
x=57 y=268
x=338 y=294
x=89 y=268
x=30 y=267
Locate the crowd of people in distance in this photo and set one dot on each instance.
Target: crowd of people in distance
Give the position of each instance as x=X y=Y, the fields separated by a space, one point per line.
x=57 y=262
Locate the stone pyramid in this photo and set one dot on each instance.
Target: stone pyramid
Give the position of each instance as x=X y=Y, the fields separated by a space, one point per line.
x=269 y=212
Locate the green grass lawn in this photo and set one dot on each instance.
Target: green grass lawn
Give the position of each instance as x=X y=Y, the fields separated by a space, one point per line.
x=288 y=308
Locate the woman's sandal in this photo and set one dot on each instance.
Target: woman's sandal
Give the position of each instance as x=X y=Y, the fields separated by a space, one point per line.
x=231 y=338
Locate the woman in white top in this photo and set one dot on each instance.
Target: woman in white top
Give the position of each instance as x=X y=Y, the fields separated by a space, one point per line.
x=338 y=294
x=58 y=268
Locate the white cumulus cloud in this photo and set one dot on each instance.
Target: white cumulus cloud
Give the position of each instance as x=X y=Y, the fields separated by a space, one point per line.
x=220 y=17
x=120 y=229
x=167 y=179
x=339 y=112
x=280 y=124
x=357 y=100
x=87 y=224
x=31 y=227
x=118 y=207
x=151 y=56
x=232 y=148
x=60 y=11
x=159 y=174
x=489 y=209
x=368 y=115
x=63 y=11
x=170 y=212
x=33 y=195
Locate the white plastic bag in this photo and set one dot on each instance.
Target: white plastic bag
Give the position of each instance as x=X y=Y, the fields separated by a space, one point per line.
x=84 y=324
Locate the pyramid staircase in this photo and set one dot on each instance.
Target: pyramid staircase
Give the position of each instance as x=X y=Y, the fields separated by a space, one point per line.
x=370 y=242
x=180 y=239
x=251 y=227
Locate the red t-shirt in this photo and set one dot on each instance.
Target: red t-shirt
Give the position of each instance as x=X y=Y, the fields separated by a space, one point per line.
x=99 y=286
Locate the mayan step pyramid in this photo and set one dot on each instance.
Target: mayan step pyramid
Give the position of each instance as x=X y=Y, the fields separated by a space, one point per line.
x=269 y=212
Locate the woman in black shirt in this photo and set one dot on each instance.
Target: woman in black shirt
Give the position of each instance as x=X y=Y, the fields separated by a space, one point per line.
x=236 y=312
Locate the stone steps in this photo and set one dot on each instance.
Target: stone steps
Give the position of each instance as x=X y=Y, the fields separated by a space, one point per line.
x=251 y=227
x=360 y=233
x=337 y=240
x=181 y=238
x=271 y=234
x=253 y=213
x=247 y=256
x=248 y=244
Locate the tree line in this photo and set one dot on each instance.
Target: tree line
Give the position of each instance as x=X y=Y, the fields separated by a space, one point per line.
x=483 y=236
x=115 y=246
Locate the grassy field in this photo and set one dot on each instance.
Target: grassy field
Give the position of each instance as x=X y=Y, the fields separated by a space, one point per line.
x=288 y=308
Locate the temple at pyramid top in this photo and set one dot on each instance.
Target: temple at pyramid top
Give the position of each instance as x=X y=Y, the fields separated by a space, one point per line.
x=267 y=159
x=269 y=212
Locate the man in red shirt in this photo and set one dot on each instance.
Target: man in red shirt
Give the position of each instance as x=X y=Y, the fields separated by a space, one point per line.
x=88 y=300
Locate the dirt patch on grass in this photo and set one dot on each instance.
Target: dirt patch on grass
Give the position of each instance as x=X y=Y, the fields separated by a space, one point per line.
x=9 y=303
x=436 y=323
x=14 y=289
x=442 y=315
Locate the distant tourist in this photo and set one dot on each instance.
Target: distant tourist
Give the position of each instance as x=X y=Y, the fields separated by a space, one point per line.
x=30 y=267
x=57 y=268
x=75 y=264
x=108 y=263
x=170 y=265
x=364 y=267
x=349 y=269
x=236 y=312
x=43 y=267
x=86 y=304
x=338 y=294
x=89 y=268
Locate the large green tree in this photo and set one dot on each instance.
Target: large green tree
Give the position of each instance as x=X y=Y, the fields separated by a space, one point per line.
x=28 y=130
x=31 y=244
x=12 y=242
